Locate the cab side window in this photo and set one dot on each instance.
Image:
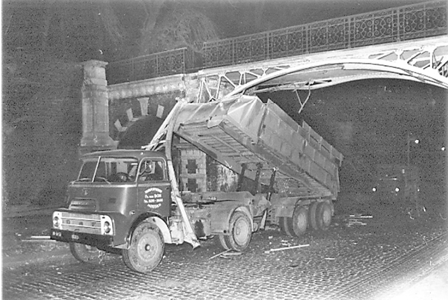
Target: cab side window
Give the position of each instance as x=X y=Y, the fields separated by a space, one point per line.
x=151 y=170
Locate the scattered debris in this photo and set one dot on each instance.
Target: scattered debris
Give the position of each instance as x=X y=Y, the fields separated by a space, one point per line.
x=352 y=222
x=286 y=248
x=231 y=253
x=361 y=216
x=225 y=254
x=219 y=254
x=285 y=243
x=36 y=238
x=40 y=237
x=355 y=219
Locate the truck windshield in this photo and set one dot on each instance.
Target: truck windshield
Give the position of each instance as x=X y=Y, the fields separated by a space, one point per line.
x=108 y=170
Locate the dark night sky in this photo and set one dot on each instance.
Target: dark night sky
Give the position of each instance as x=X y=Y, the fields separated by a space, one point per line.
x=284 y=13
x=233 y=17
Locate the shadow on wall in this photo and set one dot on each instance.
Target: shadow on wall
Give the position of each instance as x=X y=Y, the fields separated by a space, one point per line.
x=37 y=176
x=40 y=149
x=140 y=133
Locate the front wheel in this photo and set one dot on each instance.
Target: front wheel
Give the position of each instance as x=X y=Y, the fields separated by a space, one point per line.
x=222 y=242
x=146 y=249
x=240 y=232
x=86 y=253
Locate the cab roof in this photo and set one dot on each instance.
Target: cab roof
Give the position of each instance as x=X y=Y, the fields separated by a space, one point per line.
x=135 y=153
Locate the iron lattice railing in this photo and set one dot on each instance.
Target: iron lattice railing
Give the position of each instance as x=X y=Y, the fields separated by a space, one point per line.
x=379 y=27
x=153 y=65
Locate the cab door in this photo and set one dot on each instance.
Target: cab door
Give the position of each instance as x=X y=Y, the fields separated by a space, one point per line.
x=154 y=188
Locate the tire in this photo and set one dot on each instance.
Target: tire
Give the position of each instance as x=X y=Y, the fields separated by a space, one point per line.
x=86 y=254
x=146 y=249
x=222 y=242
x=299 y=220
x=312 y=215
x=286 y=225
x=240 y=232
x=323 y=216
x=297 y=224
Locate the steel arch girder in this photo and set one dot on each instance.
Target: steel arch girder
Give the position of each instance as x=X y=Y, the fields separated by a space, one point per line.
x=428 y=64
x=373 y=69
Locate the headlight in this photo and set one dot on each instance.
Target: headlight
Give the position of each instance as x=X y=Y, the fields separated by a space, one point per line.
x=106 y=225
x=397 y=190
x=57 y=220
x=374 y=189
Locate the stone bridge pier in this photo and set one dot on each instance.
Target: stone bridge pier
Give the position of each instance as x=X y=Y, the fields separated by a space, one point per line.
x=95 y=109
x=126 y=115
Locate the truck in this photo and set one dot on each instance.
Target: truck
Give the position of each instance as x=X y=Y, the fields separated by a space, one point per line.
x=396 y=184
x=219 y=169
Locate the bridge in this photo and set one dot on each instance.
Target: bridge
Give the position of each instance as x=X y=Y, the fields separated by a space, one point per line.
x=407 y=42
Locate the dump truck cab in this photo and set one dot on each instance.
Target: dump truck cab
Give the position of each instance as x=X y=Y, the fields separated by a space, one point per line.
x=113 y=190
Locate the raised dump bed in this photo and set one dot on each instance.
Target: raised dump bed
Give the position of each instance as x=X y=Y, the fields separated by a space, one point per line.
x=256 y=138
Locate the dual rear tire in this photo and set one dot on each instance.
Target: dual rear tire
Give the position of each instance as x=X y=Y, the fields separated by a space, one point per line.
x=297 y=224
x=317 y=216
x=324 y=214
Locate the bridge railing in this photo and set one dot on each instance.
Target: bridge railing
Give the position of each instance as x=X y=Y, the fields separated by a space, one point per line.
x=165 y=63
x=378 y=27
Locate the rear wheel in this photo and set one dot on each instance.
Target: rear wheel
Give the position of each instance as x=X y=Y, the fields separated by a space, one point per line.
x=86 y=254
x=300 y=220
x=146 y=249
x=285 y=226
x=323 y=215
x=312 y=215
x=240 y=232
x=297 y=224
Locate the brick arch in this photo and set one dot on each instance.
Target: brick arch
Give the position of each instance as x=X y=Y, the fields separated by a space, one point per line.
x=128 y=115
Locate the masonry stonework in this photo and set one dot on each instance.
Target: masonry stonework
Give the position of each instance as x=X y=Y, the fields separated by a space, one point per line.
x=95 y=108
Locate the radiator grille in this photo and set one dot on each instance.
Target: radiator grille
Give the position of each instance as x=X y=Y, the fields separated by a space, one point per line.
x=86 y=223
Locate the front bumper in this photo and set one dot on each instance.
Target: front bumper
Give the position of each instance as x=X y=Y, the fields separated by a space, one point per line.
x=96 y=240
